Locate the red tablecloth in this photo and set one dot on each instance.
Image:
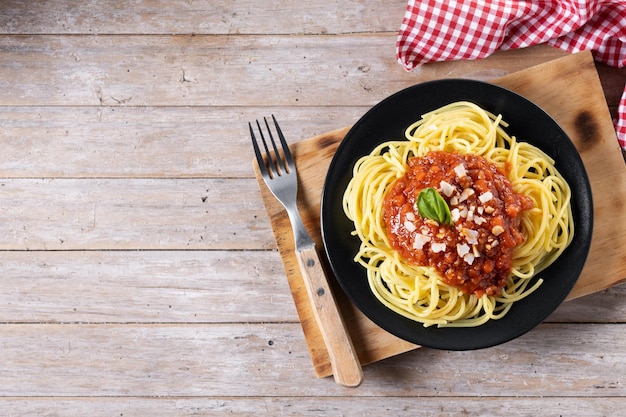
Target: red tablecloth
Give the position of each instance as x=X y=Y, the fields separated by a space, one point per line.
x=441 y=30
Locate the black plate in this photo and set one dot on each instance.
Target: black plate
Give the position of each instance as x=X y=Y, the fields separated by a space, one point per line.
x=388 y=120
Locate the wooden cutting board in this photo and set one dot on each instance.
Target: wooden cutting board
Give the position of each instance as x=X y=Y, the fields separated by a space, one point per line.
x=569 y=90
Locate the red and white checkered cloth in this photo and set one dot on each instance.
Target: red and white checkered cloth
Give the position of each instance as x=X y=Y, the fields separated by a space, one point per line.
x=443 y=30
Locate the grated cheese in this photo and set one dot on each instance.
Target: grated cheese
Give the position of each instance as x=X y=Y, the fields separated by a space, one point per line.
x=462 y=249
x=446 y=188
x=488 y=196
x=438 y=247
x=460 y=170
x=420 y=241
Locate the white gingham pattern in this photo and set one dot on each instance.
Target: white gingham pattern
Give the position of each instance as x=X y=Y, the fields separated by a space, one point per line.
x=443 y=30
x=620 y=123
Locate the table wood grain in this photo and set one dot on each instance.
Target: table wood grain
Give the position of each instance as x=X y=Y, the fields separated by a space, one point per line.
x=138 y=270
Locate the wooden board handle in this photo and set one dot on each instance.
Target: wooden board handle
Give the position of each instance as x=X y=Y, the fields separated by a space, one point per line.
x=344 y=361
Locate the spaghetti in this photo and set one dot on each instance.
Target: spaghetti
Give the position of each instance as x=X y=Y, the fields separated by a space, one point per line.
x=420 y=289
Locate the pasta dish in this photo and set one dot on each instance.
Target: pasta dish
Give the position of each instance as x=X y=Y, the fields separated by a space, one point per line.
x=456 y=219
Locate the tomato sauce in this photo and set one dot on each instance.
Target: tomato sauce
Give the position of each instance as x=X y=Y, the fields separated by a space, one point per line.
x=475 y=253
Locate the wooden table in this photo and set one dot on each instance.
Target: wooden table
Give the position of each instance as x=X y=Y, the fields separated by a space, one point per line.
x=138 y=271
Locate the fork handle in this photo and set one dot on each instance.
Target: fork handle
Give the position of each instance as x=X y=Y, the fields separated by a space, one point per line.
x=343 y=357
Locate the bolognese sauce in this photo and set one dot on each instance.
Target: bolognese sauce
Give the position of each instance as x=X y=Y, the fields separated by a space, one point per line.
x=475 y=252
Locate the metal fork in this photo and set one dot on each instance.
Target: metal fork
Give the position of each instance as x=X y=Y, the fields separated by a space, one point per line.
x=279 y=173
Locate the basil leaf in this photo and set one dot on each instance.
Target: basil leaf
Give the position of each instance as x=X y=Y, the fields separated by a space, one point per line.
x=431 y=205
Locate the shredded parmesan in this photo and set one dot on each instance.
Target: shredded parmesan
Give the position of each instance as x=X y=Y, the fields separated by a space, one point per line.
x=420 y=241
x=446 y=188
x=484 y=197
x=455 y=214
x=470 y=214
x=438 y=247
x=497 y=230
x=465 y=194
x=462 y=249
x=460 y=171
x=470 y=235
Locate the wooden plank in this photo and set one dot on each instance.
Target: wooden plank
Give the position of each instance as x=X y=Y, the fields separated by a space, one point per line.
x=146 y=142
x=613 y=83
x=183 y=287
x=213 y=71
x=316 y=406
x=200 y=17
x=602 y=307
x=130 y=214
x=257 y=360
x=143 y=287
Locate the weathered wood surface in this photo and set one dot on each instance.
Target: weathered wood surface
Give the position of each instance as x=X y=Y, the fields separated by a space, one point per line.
x=138 y=270
x=270 y=359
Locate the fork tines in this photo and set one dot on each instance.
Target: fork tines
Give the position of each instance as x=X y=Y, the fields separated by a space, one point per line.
x=275 y=165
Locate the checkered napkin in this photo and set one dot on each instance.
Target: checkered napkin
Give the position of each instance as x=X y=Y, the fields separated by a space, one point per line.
x=443 y=30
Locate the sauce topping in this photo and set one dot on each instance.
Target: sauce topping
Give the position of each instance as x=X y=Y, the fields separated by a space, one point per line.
x=475 y=253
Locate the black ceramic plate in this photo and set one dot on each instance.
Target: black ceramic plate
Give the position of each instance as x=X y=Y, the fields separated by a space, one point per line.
x=388 y=120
